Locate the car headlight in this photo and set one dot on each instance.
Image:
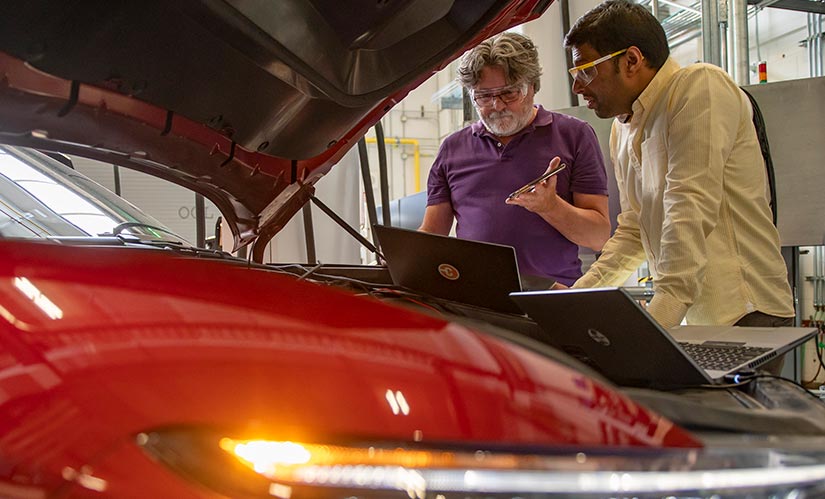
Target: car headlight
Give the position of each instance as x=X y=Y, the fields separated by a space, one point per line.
x=287 y=470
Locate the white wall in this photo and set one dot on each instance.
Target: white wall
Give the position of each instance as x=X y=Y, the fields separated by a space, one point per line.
x=548 y=35
x=779 y=36
x=415 y=118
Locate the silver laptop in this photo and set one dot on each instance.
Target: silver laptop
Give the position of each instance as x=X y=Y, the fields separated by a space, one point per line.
x=459 y=270
x=609 y=330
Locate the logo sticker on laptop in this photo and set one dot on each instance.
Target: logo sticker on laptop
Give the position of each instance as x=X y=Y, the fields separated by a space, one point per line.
x=448 y=271
x=598 y=337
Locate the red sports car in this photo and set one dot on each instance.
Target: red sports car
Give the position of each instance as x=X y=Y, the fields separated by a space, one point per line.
x=179 y=372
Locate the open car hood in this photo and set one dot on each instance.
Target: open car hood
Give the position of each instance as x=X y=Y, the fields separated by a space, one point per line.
x=247 y=102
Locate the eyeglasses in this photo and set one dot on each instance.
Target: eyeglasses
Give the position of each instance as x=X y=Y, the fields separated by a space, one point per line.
x=587 y=72
x=508 y=94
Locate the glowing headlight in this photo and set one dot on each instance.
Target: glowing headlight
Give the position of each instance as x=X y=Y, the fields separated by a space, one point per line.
x=264 y=457
x=293 y=469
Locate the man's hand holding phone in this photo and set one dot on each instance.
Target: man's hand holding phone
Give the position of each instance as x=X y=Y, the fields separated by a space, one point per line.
x=540 y=194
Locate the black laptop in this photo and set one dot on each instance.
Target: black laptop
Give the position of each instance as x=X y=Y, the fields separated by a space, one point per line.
x=459 y=270
x=609 y=330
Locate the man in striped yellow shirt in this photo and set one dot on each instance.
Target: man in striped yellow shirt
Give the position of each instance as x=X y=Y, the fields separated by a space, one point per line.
x=690 y=173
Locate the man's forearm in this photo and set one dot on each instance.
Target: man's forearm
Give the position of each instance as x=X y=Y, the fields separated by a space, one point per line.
x=621 y=255
x=583 y=226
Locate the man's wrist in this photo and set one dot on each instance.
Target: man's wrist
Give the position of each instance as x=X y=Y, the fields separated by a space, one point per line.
x=551 y=207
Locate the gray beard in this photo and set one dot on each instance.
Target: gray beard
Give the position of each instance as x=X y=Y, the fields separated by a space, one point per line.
x=517 y=125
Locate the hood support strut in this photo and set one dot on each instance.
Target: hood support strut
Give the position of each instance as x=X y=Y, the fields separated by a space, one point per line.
x=340 y=221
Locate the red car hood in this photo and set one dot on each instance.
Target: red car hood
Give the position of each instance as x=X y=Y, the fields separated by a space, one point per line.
x=246 y=102
x=100 y=344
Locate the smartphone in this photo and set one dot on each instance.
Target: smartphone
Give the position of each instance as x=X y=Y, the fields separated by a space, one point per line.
x=532 y=184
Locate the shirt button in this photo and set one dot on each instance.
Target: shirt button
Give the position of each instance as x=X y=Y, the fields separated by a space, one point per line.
x=499 y=144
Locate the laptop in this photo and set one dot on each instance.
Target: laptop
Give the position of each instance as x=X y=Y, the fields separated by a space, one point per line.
x=459 y=270
x=609 y=330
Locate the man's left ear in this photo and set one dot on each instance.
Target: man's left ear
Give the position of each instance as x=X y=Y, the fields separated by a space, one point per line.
x=634 y=60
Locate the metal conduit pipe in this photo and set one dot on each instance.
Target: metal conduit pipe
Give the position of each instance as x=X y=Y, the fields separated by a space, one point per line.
x=819 y=274
x=809 y=46
x=724 y=32
x=810 y=42
x=683 y=41
x=678 y=6
x=817 y=43
x=741 y=52
x=756 y=34
x=710 y=33
x=812 y=279
x=817 y=282
x=814 y=43
x=821 y=280
x=817 y=31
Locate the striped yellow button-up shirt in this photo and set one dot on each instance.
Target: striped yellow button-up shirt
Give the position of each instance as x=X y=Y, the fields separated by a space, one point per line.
x=694 y=203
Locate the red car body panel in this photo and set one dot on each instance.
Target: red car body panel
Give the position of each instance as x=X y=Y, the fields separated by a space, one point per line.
x=146 y=340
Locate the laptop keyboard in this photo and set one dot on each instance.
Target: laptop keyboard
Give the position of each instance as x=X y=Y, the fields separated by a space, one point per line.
x=721 y=357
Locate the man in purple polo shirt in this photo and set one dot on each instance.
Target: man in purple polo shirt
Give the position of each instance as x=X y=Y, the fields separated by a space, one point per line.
x=512 y=144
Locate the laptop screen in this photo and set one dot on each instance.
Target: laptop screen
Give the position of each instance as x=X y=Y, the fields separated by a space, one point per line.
x=472 y=272
x=608 y=330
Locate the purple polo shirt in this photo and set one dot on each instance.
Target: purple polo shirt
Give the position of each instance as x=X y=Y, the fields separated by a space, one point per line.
x=475 y=173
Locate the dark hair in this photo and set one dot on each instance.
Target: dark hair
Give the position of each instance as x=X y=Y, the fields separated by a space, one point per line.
x=513 y=52
x=618 y=24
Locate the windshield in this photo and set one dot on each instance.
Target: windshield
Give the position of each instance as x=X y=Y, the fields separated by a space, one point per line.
x=40 y=198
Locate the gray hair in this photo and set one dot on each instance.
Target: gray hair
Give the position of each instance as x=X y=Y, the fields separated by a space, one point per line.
x=514 y=53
